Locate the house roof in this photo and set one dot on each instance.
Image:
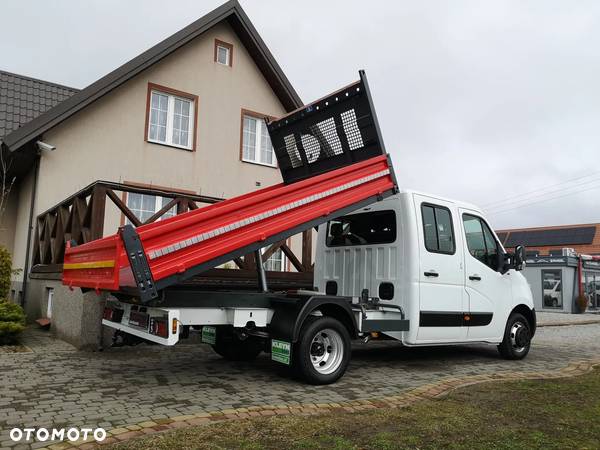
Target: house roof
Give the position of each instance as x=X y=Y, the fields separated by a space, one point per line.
x=231 y=12
x=585 y=238
x=22 y=99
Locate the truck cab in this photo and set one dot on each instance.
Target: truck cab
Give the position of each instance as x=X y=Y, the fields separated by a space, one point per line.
x=437 y=259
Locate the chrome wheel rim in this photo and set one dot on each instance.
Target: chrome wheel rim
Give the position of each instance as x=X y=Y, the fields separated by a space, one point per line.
x=519 y=337
x=326 y=351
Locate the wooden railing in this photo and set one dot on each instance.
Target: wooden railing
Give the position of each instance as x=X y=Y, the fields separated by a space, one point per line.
x=80 y=218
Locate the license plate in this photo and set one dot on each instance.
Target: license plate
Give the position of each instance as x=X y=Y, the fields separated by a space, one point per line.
x=138 y=319
x=281 y=351
x=209 y=335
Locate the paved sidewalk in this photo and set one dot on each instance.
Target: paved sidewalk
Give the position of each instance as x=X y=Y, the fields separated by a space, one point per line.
x=55 y=385
x=562 y=319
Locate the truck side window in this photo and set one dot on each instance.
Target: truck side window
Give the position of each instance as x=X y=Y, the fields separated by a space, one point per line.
x=480 y=241
x=437 y=228
x=370 y=228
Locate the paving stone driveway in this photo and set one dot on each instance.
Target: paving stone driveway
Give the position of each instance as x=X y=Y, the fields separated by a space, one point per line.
x=57 y=386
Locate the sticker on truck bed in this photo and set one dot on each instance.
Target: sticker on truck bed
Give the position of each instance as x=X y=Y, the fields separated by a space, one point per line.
x=280 y=351
x=209 y=335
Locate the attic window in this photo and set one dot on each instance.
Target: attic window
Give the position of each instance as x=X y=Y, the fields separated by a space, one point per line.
x=223 y=53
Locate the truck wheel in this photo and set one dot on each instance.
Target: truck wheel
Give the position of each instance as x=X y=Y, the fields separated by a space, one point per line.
x=322 y=353
x=232 y=348
x=517 y=338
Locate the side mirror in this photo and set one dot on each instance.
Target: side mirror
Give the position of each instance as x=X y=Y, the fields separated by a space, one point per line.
x=519 y=258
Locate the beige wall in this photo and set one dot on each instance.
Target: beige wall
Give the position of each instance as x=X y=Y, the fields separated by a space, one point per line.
x=105 y=141
x=22 y=222
x=9 y=219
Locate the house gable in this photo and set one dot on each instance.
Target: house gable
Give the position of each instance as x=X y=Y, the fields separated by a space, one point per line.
x=230 y=13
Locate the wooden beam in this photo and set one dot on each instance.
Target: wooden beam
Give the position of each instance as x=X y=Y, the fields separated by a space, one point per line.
x=182 y=205
x=162 y=211
x=240 y=263
x=123 y=208
x=307 y=249
x=293 y=259
x=97 y=208
x=272 y=249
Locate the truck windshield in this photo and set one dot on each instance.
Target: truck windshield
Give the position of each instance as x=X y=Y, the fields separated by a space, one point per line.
x=377 y=227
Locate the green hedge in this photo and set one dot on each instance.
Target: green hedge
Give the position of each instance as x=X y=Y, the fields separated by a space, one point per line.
x=12 y=322
x=5 y=271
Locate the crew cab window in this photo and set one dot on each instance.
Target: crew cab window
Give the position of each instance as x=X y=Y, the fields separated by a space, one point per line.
x=437 y=227
x=370 y=228
x=480 y=241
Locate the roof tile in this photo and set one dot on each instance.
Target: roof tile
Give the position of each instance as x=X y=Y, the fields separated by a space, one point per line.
x=22 y=99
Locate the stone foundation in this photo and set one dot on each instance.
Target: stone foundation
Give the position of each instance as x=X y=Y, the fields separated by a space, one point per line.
x=76 y=317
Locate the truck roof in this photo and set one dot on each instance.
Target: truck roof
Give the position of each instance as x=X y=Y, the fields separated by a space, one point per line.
x=458 y=203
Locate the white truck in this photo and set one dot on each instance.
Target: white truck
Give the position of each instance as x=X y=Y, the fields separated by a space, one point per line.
x=389 y=264
x=429 y=262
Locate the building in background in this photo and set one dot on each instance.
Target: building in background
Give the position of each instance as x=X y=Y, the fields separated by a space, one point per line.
x=560 y=264
x=177 y=127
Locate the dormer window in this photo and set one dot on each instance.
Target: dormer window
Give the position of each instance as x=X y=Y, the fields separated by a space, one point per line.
x=223 y=53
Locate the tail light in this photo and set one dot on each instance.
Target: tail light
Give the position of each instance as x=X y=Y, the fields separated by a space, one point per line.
x=112 y=314
x=159 y=327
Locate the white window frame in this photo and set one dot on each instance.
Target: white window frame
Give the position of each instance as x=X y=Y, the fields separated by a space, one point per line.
x=158 y=205
x=283 y=260
x=260 y=123
x=170 y=116
x=227 y=55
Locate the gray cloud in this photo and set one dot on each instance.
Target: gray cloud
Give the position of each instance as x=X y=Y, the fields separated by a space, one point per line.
x=478 y=101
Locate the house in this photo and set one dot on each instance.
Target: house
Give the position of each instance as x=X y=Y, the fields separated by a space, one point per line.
x=550 y=240
x=555 y=269
x=22 y=99
x=177 y=126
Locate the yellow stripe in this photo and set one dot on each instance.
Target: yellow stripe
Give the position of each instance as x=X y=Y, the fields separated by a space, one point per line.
x=88 y=265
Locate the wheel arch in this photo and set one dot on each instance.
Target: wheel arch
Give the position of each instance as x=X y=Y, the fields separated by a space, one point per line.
x=529 y=314
x=288 y=318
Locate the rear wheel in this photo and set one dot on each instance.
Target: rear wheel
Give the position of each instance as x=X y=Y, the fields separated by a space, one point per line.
x=232 y=348
x=517 y=338
x=322 y=353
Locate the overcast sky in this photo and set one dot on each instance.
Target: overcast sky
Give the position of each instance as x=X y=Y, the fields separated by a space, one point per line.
x=495 y=103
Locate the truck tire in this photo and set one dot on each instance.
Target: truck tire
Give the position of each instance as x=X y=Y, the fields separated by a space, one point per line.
x=517 y=338
x=322 y=352
x=232 y=348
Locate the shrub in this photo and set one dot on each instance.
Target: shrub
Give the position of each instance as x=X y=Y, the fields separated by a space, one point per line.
x=5 y=271
x=12 y=322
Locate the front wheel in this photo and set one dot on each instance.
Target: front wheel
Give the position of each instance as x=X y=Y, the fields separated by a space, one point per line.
x=322 y=353
x=517 y=338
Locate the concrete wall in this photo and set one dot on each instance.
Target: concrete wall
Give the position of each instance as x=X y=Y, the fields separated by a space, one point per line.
x=76 y=316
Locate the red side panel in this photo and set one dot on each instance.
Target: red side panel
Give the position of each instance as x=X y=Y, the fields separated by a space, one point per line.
x=196 y=238
x=95 y=264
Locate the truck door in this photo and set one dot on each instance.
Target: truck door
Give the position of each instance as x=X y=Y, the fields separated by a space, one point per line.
x=489 y=291
x=441 y=272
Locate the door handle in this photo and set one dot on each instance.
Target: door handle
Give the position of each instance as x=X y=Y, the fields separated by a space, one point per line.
x=475 y=278
x=431 y=273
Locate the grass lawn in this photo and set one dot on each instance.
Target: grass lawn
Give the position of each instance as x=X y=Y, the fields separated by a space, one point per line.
x=553 y=414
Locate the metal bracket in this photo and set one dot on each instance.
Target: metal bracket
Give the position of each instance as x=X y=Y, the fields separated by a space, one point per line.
x=139 y=264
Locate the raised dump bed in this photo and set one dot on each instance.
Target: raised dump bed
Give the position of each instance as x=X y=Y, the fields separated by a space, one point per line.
x=332 y=161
